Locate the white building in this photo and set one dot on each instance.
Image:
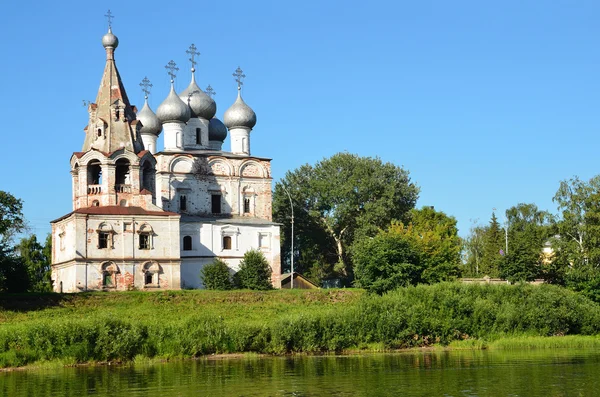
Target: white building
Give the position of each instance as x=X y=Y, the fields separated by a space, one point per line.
x=146 y=219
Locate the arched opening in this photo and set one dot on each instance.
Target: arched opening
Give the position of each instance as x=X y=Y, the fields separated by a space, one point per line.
x=122 y=176
x=198 y=136
x=187 y=243
x=61 y=287
x=95 y=203
x=94 y=182
x=152 y=275
x=148 y=176
x=99 y=132
x=123 y=203
x=246 y=206
x=109 y=278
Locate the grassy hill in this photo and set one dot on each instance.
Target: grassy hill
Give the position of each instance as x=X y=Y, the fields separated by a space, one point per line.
x=168 y=324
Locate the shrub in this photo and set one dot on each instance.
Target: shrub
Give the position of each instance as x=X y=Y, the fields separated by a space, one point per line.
x=254 y=273
x=215 y=276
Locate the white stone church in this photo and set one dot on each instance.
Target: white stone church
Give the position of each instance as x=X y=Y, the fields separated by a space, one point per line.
x=150 y=219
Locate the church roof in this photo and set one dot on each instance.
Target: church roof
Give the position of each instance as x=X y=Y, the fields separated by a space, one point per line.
x=115 y=210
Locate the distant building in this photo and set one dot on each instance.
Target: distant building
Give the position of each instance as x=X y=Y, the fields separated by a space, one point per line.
x=147 y=219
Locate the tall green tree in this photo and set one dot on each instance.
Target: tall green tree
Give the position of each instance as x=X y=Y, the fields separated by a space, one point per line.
x=473 y=247
x=37 y=260
x=12 y=220
x=528 y=229
x=13 y=273
x=336 y=202
x=493 y=249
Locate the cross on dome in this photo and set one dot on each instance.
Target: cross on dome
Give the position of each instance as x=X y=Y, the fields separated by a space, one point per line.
x=209 y=91
x=109 y=16
x=146 y=85
x=172 y=67
x=193 y=52
x=239 y=76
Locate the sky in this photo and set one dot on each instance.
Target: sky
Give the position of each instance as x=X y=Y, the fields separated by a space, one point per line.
x=487 y=103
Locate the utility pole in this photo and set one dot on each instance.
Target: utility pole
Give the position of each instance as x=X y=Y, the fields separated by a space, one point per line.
x=292 y=245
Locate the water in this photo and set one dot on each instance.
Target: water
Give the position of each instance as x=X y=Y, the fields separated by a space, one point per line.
x=472 y=373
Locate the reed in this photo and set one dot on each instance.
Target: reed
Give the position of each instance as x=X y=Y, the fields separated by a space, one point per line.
x=138 y=326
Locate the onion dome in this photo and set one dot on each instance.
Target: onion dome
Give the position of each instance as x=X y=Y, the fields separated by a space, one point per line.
x=216 y=130
x=200 y=104
x=239 y=114
x=150 y=123
x=173 y=109
x=110 y=40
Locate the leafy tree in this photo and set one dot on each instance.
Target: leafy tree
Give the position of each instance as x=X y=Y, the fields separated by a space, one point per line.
x=216 y=276
x=34 y=257
x=338 y=201
x=579 y=220
x=254 y=273
x=11 y=216
x=385 y=262
x=529 y=228
x=473 y=251
x=13 y=273
x=434 y=235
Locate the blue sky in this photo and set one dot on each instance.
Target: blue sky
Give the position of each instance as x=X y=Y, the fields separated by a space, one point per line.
x=487 y=104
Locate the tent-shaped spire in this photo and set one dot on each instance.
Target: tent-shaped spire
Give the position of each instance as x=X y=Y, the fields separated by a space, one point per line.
x=111 y=126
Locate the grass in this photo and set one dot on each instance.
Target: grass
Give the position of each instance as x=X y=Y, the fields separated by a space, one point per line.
x=144 y=327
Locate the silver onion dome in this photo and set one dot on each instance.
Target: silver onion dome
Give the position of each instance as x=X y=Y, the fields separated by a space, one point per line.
x=200 y=104
x=216 y=130
x=150 y=122
x=173 y=110
x=239 y=114
x=110 y=40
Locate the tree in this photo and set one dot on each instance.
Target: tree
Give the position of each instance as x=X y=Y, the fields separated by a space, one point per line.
x=37 y=260
x=473 y=250
x=493 y=249
x=338 y=201
x=385 y=262
x=216 y=276
x=434 y=235
x=529 y=228
x=254 y=273
x=11 y=216
x=13 y=273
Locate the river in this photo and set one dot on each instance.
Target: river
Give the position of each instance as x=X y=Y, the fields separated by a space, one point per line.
x=532 y=373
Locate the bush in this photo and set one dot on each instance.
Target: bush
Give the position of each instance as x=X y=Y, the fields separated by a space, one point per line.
x=254 y=273
x=215 y=276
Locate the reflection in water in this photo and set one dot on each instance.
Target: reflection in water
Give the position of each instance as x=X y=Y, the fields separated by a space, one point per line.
x=470 y=373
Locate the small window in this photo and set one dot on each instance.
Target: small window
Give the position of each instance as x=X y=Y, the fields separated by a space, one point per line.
x=182 y=203
x=103 y=240
x=144 y=241
x=227 y=243
x=246 y=206
x=187 y=243
x=123 y=203
x=198 y=136
x=216 y=203
x=99 y=131
x=148 y=278
x=95 y=203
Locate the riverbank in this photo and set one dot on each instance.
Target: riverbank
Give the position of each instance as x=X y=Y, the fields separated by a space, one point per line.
x=122 y=327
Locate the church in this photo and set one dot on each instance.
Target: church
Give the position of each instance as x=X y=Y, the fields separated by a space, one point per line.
x=145 y=218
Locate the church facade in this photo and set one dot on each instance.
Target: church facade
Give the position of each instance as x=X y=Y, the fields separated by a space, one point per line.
x=149 y=219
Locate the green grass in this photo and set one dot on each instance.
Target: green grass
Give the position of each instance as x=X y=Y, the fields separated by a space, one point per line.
x=147 y=326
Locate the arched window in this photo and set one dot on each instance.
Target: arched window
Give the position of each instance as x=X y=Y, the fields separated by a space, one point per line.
x=187 y=243
x=152 y=272
x=94 y=173
x=109 y=278
x=198 y=136
x=246 y=206
x=95 y=203
x=122 y=175
x=227 y=242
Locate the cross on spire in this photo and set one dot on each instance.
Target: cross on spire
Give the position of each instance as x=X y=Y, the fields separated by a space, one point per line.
x=172 y=67
x=109 y=16
x=86 y=103
x=239 y=76
x=145 y=84
x=193 y=52
x=209 y=91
